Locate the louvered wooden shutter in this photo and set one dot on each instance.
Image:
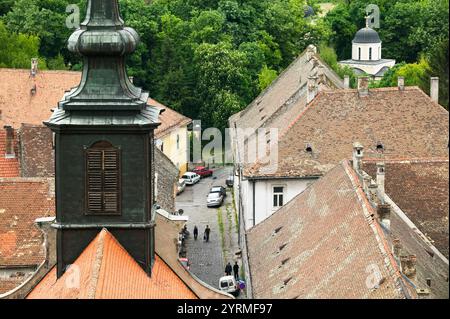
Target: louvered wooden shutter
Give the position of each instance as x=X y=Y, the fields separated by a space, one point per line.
x=103 y=181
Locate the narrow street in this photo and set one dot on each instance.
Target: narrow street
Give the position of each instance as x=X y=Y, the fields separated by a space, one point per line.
x=208 y=259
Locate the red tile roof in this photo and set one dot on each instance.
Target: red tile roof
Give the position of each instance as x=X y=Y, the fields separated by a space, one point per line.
x=170 y=119
x=19 y=106
x=21 y=202
x=9 y=167
x=408 y=124
x=106 y=271
x=321 y=245
x=420 y=187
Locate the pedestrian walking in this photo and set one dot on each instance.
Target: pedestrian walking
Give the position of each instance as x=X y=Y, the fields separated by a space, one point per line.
x=236 y=270
x=228 y=269
x=207 y=232
x=195 y=232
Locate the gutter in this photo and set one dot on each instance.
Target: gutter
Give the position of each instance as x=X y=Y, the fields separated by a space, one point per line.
x=254 y=202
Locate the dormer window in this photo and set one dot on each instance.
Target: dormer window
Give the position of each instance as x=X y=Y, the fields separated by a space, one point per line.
x=380 y=147
x=103 y=179
x=308 y=148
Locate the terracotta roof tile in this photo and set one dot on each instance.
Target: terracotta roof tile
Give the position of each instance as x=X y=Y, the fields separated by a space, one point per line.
x=107 y=271
x=421 y=189
x=9 y=167
x=21 y=202
x=321 y=244
x=408 y=124
x=19 y=106
x=170 y=119
x=288 y=86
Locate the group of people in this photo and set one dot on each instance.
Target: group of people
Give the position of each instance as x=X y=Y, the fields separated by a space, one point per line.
x=205 y=234
x=232 y=269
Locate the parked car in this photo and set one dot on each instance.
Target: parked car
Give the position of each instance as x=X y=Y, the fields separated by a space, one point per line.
x=219 y=189
x=230 y=181
x=214 y=200
x=181 y=185
x=191 y=178
x=203 y=171
x=229 y=285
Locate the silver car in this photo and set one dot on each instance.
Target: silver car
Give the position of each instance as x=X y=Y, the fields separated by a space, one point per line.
x=214 y=200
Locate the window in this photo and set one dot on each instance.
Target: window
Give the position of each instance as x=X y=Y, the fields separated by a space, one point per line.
x=178 y=142
x=370 y=53
x=278 y=196
x=359 y=53
x=103 y=179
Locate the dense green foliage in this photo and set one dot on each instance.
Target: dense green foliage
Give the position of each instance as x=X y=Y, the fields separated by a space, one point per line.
x=210 y=58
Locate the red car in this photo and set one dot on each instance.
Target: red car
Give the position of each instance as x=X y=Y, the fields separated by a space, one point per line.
x=202 y=171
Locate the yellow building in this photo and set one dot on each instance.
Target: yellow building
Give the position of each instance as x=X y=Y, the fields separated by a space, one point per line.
x=171 y=137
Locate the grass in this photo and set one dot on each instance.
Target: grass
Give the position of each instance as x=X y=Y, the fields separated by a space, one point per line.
x=236 y=219
x=221 y=229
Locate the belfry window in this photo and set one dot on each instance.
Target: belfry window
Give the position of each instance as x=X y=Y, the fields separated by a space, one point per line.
x=103 y=179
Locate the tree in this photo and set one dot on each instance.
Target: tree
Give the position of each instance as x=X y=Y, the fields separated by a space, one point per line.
x=266 y=77
x=17 y=50
x=438 y=62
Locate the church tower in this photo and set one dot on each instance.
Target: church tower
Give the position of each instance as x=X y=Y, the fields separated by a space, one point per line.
x=366 y=54
x=104 y=145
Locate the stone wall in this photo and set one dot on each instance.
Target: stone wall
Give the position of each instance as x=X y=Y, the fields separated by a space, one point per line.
x=166 y=181
x=36 y=151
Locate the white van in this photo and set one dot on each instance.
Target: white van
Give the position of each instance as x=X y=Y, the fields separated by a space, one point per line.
x=191 y=178
x=229 y=285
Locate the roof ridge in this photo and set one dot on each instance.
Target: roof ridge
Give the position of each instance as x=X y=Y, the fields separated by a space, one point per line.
x=98 y=259
x=409 y=160
x=383 y=245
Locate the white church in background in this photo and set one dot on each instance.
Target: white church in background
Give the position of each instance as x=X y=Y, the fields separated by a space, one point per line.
x=366 y=54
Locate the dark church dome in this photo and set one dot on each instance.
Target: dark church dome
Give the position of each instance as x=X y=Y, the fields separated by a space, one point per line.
x=367 y=35
x=309 y=11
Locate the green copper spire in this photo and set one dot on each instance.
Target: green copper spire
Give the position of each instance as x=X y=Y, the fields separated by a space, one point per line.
x=104 y=42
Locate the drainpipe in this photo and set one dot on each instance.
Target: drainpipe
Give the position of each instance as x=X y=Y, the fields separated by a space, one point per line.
x=254 y=203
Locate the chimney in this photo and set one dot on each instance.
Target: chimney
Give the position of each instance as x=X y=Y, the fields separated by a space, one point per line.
x=401 y=83
x=396 y=247
x=9 y=151
x=311 y=51
x=346 y=81
x=312 y=88
x=363 y=86
x=373 y=192
x=366 y=182
x=384 y=215
x=408 y=265
x=45 y=225
x=381 y=170
x=434 y=89
x=34 y=66
x=358 y=153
